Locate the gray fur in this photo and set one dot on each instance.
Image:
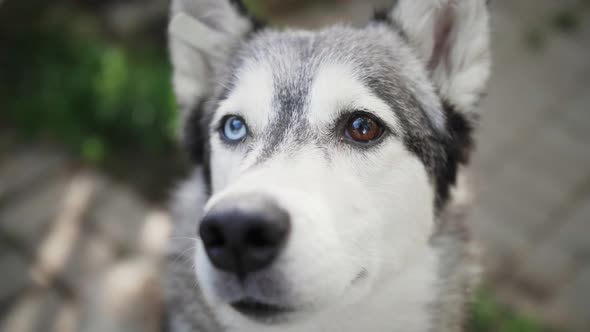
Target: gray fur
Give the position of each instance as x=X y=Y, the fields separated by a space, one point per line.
x=432 y=127
x=184 y=302
x=296 y=55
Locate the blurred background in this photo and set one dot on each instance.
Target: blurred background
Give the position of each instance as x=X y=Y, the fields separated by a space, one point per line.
x=88 y=159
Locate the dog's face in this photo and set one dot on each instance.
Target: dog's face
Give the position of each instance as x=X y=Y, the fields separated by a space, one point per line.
x=302 y=128
x=328 y=154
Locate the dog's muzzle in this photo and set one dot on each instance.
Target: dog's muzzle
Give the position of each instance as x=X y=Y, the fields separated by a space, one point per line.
x=244 y=234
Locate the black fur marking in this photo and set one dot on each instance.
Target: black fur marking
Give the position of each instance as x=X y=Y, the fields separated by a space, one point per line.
x=196 y=140
x=440 y=152
x=194 y=135
x=257 y=24
x=381 y=15
x=240 y=6
x=458 y=145
x=461 y=131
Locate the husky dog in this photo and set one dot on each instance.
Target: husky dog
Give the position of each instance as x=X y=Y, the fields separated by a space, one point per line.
x=323 y=196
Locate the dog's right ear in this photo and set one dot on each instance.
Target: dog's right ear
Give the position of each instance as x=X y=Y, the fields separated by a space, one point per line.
x=452 y=38
x=202 y=35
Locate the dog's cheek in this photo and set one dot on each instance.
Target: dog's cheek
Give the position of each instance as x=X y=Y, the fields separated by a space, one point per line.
x=408 y=211
x=316 y=249
x=225 y=165
x=397 y=200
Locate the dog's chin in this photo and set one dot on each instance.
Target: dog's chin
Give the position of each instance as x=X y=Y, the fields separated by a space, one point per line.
x=263 y=298
x=246 y=301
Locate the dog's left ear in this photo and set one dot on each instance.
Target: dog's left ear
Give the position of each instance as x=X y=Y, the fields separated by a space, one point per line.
x=452 y=39
x=202 y=35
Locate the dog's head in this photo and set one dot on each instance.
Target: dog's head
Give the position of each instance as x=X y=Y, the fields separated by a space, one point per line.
x=327 y=154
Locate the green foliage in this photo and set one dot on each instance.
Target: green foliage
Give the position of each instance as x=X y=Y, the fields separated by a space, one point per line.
x=489 y=316
x=535 y=39
x=106 y=101
x=566 y=21
x=257 y=7
x=99 y=98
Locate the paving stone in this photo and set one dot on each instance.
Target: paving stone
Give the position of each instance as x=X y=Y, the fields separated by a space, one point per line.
x=27 y=167
x=118 y=214
x=558 y=158
x=533 y=161
x=574 y=302
x=28 y=218
x=14 y=274
x=503 y=245
x=50 y=308
x=527 y=86
x=573 y=237
x=529 y=192
x=34 y=312
x=126 y=299
x=576 y=118
x=558 y=257
x=68 y=317
x=547 y=268
x=93 y=256
x=502 y=208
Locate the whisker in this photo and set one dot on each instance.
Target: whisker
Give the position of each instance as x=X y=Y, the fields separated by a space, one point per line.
x=183 y=238
x=182 y=255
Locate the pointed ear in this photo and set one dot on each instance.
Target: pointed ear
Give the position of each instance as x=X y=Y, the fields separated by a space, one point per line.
x=452 y=39
x=202 y=36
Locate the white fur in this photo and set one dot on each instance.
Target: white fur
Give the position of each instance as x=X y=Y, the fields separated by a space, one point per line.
x=345 y=217
x=335 y=90
x=192 y=57
x=196 y=34
x=353 y=213
x=251 y=99
x=398 y=304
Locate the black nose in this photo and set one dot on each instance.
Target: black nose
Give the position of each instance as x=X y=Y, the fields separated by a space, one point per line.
x=244 y=239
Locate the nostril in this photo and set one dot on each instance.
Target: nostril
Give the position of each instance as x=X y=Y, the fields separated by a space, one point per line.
x=262 y=236
x=258 y=237
x=212 y=236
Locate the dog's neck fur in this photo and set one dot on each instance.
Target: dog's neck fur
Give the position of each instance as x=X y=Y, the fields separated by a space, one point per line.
x=429 y=296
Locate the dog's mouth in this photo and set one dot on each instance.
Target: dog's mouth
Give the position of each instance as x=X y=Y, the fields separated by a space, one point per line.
x=260 y=311
x=265 y=312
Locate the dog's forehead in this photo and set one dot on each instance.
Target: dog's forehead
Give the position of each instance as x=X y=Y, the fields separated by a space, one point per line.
x=375 y=56
x=295 y=56
x=272 y=80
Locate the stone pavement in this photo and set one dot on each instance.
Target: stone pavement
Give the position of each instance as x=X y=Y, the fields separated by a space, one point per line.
x=79 y=252
x=533 y=164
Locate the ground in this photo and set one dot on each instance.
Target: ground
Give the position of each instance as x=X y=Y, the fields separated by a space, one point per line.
x=80 y=251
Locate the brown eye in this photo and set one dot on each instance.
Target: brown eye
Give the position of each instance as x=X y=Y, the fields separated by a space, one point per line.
x=363 y=128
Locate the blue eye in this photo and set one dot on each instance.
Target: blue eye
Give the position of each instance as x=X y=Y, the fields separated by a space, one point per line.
x=234 y=129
